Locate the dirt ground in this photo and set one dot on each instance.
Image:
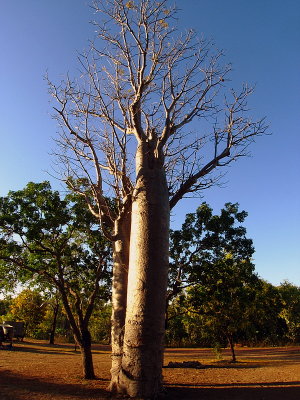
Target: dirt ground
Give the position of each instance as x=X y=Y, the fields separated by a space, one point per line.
x=37 y=371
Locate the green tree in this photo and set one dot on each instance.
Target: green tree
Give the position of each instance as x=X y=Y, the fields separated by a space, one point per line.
x=56 y=243
x=176 y=331
x=29 y=306
x=100 y=324
x=144 y=86
x=211 y=256
x=224 y=299
x=8 y=279
x=4 y=306
x=290 y=295
x=53 y=308
x=203 y=240
x=267 y=325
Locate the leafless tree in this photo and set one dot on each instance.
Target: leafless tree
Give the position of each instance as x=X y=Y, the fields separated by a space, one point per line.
x=149 y=122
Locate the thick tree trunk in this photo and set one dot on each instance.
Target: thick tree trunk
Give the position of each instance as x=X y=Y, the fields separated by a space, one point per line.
x=86 y=354
x=141 y=372
x=119 y=296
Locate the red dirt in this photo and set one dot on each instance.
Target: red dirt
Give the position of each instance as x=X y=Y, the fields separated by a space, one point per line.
x=38 y=371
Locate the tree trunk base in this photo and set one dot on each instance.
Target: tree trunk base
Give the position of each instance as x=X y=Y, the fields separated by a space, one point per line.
x=125 y=385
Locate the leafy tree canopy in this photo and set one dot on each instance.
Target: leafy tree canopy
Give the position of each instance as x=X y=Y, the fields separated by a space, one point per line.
x=51 y=239
x=56 y=243
x=207 y=244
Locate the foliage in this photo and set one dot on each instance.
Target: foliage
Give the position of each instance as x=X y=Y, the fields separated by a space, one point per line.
x=204 y=241
x=222 y=298
x=8 y=278
x=264 y=321
x=290 y=295
x=52 y=241
x=211 y=265
x=29 y=306
x=4 y=306
x=100 y=324
x=56 y=244
x=267 y=327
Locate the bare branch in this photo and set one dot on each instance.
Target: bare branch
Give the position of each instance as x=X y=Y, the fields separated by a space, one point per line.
x=145 y=84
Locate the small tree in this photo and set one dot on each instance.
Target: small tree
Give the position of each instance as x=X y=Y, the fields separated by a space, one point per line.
x=224 y=299
x=142 y=85
x=55 y=243
x=211 y=256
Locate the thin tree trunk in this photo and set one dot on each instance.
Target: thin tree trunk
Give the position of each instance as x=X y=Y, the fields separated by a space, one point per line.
x=119 y=296
x=82 y=336
x=231 y=343
x=86 y=354
x=141 y=372
x=53 y=327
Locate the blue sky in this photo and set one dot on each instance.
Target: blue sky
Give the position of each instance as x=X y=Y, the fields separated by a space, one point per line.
x=262 y=40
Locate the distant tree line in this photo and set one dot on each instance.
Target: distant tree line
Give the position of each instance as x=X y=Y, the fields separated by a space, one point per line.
x=46 y=319
x=269 y=317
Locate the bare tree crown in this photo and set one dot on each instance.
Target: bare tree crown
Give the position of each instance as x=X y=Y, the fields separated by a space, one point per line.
x=145 y=84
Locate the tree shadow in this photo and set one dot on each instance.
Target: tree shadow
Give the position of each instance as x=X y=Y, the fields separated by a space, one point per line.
x=29 y=349
x=16 y=387
x=240 y=349
x=285 y=355
x=221 y=365
x=45 y=348
x=260 y=391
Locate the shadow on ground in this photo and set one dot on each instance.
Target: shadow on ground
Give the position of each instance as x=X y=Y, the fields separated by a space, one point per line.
x=272 y=391
x=290 y=353
x=221 y=365
x=45 y=348
x=16 y=387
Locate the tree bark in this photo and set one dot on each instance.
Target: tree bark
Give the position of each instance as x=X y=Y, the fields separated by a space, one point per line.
x=86 y=354
x=119 y=296
x=53 y=326
x=82 y=336
x=141 y=371
x=231 y=343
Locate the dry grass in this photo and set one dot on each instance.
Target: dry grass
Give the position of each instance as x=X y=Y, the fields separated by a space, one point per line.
x=35 y=370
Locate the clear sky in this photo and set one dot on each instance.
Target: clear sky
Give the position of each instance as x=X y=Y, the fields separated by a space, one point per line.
x=262 y=40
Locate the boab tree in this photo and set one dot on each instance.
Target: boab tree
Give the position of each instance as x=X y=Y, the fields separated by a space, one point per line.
x=150 y=96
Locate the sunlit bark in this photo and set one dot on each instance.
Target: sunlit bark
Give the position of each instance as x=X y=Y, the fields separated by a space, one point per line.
x=119 y=296
x=140 y=374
